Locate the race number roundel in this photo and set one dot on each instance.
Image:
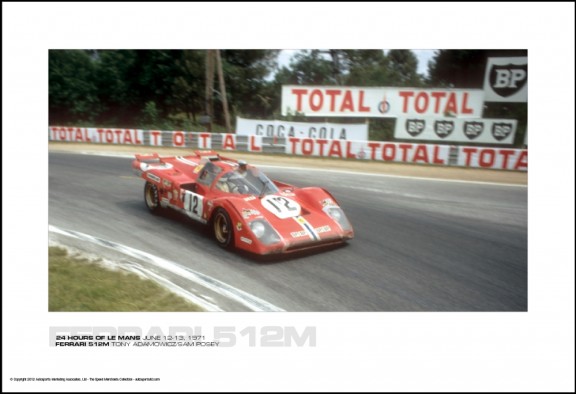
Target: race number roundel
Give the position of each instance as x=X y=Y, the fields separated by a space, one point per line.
x=281 y=206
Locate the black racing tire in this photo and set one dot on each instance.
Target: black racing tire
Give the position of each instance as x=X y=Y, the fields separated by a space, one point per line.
x=151 y=198
x=223 y=228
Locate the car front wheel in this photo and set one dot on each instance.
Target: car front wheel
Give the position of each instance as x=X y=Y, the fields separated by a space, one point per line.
x=223 y=230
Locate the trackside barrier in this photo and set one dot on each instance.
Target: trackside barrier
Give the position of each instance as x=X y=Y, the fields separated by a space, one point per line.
x=398 y=152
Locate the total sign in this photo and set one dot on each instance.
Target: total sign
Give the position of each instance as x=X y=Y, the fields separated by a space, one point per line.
x=382 y=102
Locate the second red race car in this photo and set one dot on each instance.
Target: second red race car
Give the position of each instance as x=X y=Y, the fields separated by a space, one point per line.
x=244 y=208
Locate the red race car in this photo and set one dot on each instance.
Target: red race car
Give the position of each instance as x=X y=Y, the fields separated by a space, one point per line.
x=241 y=204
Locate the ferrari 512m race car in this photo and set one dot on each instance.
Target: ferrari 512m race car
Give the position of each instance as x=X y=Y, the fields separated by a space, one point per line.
x=241 y=204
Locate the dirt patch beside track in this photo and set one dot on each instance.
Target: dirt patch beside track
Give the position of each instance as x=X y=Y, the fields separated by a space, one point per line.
x=409 y=170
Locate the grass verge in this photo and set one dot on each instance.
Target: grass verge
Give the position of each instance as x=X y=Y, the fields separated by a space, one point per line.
x=80 y=285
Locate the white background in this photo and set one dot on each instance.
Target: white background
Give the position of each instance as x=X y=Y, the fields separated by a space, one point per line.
x=531 y=351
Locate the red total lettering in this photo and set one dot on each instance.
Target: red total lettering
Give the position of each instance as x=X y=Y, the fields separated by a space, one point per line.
x=78 y=136
x=486 y=159
x=293 y=142
x=128 y=137
x=229 y=142
x=155 y=134
x=109 y=136
x=347 y=102
x=349 y=154
x=421 y=154
x=465 y=108
x=522 y=162
x=335 y=149
x=405 y=96
x=178 y=138
x=373 y=146
x=316 y=106
x=205 y=137
x=361 y=106
x=505 y=153
x=299 y=93
x=405 y=148
x=468 y=152
x=307 y=146
x=253 y=146
x=437 y=159
x=451 y=105
x=389 y=152
x=437 y=96
x=333 y=93
x=421 y=104
x=321 y=144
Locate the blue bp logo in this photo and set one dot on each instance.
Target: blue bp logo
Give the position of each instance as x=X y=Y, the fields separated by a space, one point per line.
x=415 y=127
x=501 y=130
x=443 y=128
x=509 y=79
x=473 y=129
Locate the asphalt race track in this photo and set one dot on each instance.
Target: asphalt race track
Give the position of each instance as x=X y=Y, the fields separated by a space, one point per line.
x=420 y=245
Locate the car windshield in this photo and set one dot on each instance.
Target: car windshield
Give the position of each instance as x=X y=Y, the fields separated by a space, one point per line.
x=246 y=181
x=208 y=173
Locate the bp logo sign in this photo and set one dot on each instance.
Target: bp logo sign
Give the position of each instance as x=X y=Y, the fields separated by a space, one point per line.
x=415 y=127
x=501 y=130
x=509 y=79
x=473 y=129
x=443 y=128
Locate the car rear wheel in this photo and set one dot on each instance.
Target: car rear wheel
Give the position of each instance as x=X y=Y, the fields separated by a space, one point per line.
x=223 y=229
x=151 y=197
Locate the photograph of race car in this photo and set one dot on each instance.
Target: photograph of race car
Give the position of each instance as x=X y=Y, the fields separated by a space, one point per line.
x=243 y=207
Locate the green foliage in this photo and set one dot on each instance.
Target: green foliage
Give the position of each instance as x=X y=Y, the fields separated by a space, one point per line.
x=72 y=89
x=151 y=116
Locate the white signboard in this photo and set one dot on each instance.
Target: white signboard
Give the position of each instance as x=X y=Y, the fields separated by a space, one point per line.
x=381 y=102
x=488 y=131
x=282 y=129
x=506 y=79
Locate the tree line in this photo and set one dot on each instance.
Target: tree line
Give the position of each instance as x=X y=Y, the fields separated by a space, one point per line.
x=166 y=89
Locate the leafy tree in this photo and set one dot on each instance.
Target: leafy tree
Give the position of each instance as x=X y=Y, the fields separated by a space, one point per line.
x=72 y=92
x=245 y=74
x=312 y=67
x=403 y=68
x=117 y=82
x=188 y=86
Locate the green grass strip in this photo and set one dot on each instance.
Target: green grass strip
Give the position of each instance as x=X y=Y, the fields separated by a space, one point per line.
x=80 y=285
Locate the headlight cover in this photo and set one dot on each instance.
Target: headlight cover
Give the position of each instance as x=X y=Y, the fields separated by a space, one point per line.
x=338 y=215
x=258 y=229
x=264 y=231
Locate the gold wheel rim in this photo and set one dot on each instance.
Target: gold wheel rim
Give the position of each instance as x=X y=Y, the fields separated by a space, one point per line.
x=221 y=228
x=150 y=197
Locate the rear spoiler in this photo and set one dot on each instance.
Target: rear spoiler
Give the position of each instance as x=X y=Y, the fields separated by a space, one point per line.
x=142 y=160
x=208 y=154
x=148 y=158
